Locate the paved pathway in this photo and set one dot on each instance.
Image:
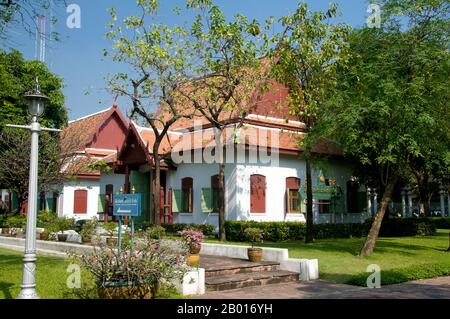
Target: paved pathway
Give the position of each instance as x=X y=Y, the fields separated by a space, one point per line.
x=435 y=288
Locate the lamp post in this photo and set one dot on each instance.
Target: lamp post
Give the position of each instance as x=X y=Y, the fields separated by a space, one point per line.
x=36 y=106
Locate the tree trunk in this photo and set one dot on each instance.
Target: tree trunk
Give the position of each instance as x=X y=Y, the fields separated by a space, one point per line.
x=372 y=237
x=221 y=200
x=222 y=235
x=157 y=189
x=309 y=204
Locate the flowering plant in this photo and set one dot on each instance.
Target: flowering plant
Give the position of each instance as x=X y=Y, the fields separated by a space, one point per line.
x=191 y=237
x=141 y=270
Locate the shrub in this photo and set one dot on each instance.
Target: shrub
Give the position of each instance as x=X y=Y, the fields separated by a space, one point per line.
x=155 y=232
x=253 y=235
x=206 y=229
x=281 y=231
x=441 y=222
x=16 y=221
x=63 y=223
x=88 y=228
x=110 y=228
x=141 y=271
x=45 y=217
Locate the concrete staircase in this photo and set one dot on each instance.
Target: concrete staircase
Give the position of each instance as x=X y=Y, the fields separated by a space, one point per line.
x=223 y=273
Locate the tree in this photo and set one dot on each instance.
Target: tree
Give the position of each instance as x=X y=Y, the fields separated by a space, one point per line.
x=384 y=112
x=56 y=161
x=21 y=14
x=17 y=76
x=307 y=55
x=226 y=75
x=158 y=56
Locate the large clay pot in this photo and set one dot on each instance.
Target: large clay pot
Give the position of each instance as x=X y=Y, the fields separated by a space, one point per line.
x=254 y=254
x=62 y=237
x=195 y=249
x=117 y=290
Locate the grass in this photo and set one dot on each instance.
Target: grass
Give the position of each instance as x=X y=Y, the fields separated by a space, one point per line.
x=51 y=277
x=400 y=259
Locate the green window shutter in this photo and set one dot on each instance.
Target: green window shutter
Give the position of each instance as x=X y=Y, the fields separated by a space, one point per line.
x=101 y=203
x=176 y=200
x=207 y=202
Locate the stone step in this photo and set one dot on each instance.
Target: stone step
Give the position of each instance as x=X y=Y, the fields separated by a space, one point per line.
x=220 y=266
x=249 y=279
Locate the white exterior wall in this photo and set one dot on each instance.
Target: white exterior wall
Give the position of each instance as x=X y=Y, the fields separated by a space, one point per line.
x=117 y=180
x=237 y=182
x=201 y=175
x=65 y=201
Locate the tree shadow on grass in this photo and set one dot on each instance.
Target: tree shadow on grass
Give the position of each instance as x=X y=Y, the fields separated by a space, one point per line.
x=5 y=288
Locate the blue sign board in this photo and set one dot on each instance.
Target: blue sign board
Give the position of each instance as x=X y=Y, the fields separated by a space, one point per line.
x=127 y=205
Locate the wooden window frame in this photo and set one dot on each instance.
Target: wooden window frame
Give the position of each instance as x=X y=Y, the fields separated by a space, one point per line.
x=293 y=185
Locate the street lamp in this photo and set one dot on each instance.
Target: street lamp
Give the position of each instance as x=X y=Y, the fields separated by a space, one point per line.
x=36 y=103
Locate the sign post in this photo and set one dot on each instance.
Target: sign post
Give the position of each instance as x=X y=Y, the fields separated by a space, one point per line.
x=127 y=205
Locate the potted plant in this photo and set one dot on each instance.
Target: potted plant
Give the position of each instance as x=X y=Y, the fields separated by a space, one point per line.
x=88 y=230
x=193 y=241
x=62 y=224
x=254 y=235
x=111 y=229
x=131 y=275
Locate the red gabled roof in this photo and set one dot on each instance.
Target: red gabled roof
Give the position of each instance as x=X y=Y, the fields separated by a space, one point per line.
x=86 y=128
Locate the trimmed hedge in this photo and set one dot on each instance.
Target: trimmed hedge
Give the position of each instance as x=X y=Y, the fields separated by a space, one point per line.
x=206 y=229
x=281 y=231
x=441 y=222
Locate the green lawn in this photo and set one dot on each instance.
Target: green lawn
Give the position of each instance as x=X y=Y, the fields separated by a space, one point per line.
x=51 y=278
x=401 y=258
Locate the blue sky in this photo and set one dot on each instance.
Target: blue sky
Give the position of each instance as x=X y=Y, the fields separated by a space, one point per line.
x=78 y=57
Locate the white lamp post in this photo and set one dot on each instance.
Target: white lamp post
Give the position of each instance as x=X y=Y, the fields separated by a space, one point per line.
x=35 y=109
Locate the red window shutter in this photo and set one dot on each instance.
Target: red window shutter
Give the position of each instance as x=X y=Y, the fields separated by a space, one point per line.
x=80 y=201
x=257 y=194
x=293 y=183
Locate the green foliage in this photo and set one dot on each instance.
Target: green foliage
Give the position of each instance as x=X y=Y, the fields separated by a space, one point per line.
x=254 y=235
x=110 y=228
x=206 y=229
x=45 y=217
x=441 y=222
x=62 y=224
x=17 y=76
x=282 y=231
x=155 y=232
x=101 y=166
x=89 y=227
x=402 y=274
x=147 y=266
x=16 y=221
